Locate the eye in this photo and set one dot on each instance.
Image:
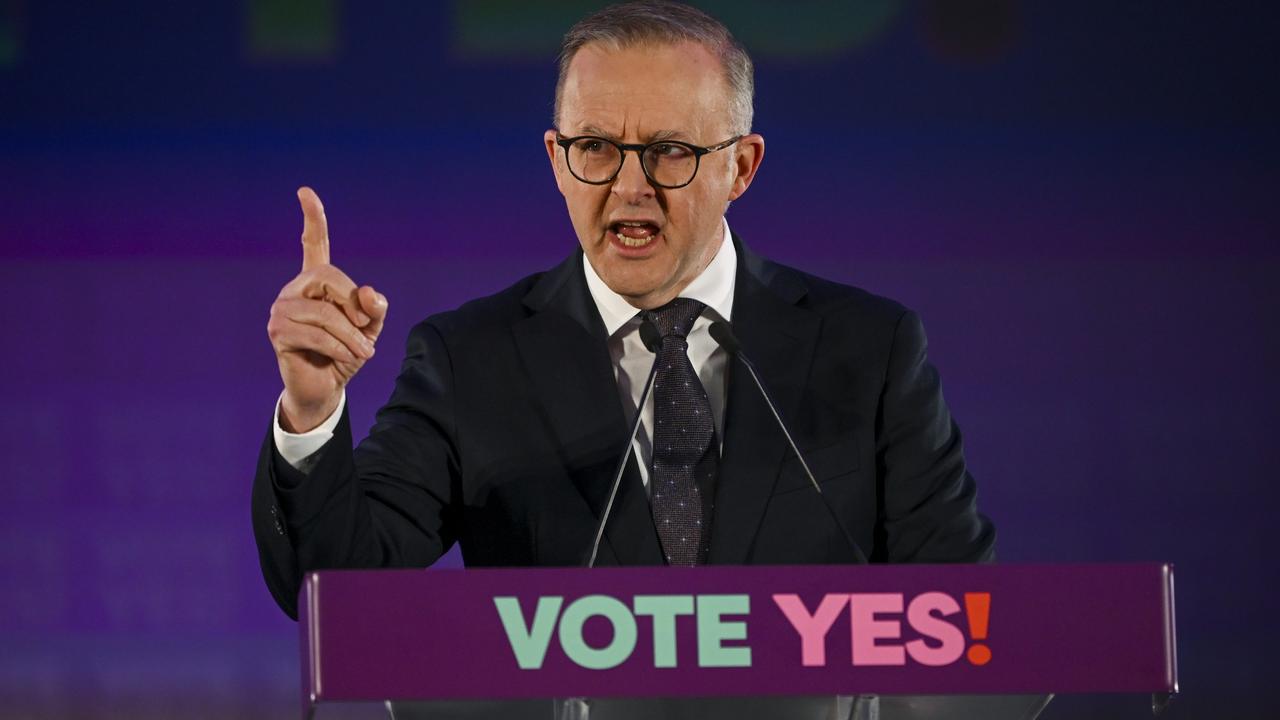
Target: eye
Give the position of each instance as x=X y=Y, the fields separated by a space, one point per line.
x=669 y=151
x=591 y=146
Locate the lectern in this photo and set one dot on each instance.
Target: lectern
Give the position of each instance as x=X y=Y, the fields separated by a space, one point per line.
x=870 y=641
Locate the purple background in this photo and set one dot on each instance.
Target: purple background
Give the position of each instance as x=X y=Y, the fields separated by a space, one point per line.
x=1079 y=200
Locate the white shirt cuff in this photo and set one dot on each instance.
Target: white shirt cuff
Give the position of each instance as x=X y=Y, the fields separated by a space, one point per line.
x=296 y=447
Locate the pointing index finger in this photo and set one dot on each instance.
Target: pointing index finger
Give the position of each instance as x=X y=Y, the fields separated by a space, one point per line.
x=315 y=230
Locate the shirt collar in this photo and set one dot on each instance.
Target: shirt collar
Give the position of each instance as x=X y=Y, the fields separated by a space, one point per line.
x=713 y=287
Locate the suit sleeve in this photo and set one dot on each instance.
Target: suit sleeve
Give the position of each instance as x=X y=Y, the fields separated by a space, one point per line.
x=929 y=499
x=388 y=503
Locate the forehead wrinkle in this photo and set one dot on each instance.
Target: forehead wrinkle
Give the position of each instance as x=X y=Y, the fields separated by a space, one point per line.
x=656 y=136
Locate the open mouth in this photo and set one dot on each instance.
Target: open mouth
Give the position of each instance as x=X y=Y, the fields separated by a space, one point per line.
x=634 y=234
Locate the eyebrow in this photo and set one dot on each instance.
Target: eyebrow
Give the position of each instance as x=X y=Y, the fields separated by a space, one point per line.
x=658 y=136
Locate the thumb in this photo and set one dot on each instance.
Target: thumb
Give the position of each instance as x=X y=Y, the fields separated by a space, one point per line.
x=315 y=230
x=374 y=305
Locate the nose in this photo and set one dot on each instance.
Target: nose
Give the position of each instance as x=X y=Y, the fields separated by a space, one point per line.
x=631 y=186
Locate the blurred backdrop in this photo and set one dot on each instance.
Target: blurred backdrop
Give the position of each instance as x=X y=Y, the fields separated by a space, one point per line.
x=1078 y=197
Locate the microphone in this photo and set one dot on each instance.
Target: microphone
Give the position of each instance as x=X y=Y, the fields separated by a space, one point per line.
x=722 y=333
x=652 y=340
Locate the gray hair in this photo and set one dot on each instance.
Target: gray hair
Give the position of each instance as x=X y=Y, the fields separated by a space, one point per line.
x=659 y=21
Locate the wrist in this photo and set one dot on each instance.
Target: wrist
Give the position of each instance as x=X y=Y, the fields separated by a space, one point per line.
x=300 y=418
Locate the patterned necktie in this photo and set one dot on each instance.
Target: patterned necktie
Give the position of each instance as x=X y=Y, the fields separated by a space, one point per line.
x=685 y=451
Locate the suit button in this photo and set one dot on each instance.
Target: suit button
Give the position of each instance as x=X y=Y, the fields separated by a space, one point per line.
x=279 y=521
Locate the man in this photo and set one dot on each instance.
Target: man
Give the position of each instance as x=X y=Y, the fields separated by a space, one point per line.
x=510 y=413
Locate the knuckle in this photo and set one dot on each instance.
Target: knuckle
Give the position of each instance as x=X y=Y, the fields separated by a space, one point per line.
x=334 y=320
x=332 y=314
x=333 y=275
x=341 y=283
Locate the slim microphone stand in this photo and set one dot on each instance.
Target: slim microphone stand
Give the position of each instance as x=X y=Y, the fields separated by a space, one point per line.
x=652 y=340
x=723 y=335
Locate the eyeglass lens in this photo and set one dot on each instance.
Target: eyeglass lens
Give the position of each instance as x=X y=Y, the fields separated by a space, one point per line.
x=596 y=161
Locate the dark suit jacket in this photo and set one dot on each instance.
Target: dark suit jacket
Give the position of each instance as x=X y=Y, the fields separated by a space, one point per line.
x=505 y=425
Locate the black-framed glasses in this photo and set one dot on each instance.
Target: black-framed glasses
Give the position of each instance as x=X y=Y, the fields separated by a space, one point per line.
x=668 y=164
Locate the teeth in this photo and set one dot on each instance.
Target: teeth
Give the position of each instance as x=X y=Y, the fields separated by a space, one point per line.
x=633 y=242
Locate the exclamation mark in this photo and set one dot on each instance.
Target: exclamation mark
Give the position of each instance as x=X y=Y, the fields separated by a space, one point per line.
x=978 y=607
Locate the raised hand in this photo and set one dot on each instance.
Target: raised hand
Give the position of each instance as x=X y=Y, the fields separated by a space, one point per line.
x=322 y=327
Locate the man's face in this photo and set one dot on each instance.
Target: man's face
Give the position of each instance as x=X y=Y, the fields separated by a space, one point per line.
x=647 y=243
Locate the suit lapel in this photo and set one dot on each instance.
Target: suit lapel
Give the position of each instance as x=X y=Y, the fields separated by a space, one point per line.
x=564 y=348
x=779 y=337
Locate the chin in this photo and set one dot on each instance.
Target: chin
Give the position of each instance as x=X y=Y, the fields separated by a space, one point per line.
x=628 y=289
x=631 y=281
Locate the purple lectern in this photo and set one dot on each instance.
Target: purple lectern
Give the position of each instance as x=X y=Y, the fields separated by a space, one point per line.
x=991 y=640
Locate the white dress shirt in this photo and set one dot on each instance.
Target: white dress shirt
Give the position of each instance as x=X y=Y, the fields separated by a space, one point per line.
x=631 y=360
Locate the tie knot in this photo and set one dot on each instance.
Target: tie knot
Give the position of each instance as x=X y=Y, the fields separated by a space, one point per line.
x=676 y=317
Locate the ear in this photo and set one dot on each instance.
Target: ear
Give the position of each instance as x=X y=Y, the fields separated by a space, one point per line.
x=549 y=137
x=750 y=151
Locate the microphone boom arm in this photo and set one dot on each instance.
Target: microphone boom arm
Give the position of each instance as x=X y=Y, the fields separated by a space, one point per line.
x=723 y=334
x=651 y=339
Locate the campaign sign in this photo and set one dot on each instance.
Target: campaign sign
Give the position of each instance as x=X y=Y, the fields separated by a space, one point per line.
x=720 y=630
